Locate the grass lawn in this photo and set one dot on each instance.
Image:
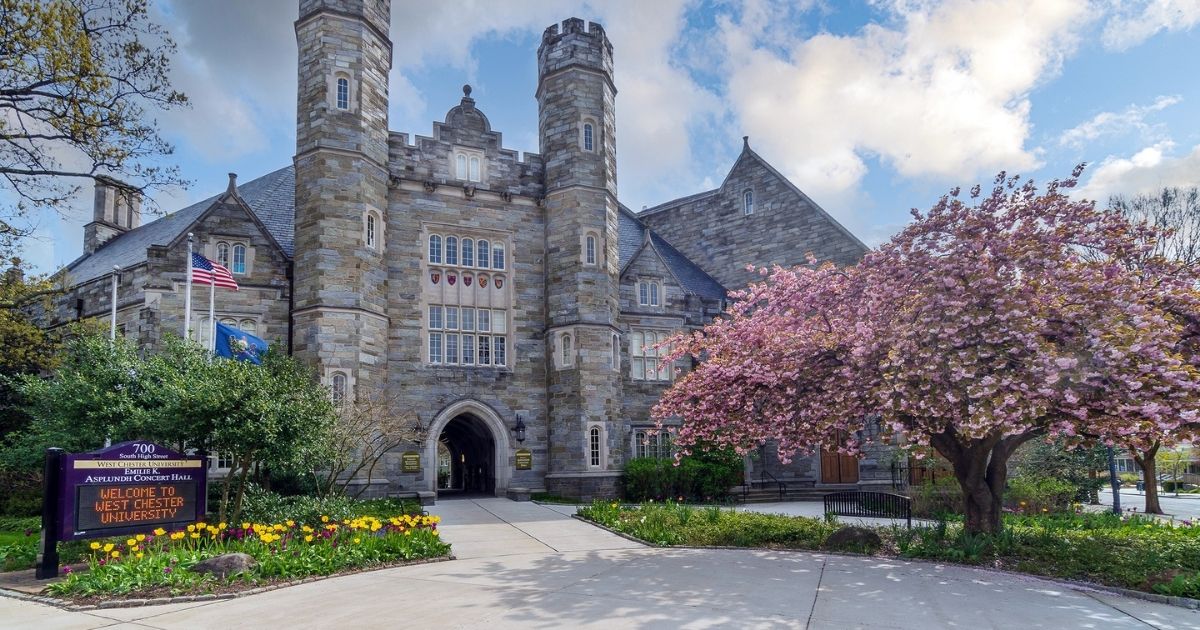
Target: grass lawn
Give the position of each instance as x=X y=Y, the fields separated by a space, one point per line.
x=1129 y=552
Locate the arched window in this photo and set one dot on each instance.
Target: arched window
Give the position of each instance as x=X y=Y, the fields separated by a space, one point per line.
x=474 y=175
x=435 y=249
x=223 y=254
x=615 y=357
x=566 y=353
x=589 y=250
x=451 y=250
x=343 y=93
x=595 y=445
x=461 y=166
x=371 y=230
x=249 y=326
x=587 y=137
x=648 y=293
x=485 y=252
x=338 y=389
x=239 y=258
x=497 y=256
x=748 y=202
x=468 y=252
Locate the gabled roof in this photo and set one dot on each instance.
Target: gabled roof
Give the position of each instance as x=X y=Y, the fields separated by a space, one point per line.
x=632 y=237
x=271 y=197
x=748 y=153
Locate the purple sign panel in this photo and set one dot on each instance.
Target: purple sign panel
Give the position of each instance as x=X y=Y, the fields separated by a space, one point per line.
x=128 y=488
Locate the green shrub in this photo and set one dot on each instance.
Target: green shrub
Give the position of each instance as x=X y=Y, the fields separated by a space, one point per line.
x=1176 y=486
x=263 y=505
x=1028 y=493
x=1129 y=478
x=700 y=477
x=940 y=499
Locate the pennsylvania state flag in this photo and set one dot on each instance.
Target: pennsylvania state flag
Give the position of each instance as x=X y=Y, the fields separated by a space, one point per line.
x=235 y=344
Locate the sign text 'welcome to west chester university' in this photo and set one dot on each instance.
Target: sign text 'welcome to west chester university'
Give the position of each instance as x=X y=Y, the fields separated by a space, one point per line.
x=129 y=488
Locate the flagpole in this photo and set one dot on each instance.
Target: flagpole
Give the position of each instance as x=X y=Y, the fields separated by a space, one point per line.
x=112 y=331
x=187 y=297
x=212 y=315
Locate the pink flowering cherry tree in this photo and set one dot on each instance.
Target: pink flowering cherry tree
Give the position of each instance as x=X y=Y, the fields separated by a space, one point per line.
x=987 y=322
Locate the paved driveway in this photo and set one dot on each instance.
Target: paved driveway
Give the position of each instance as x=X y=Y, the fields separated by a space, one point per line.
x=526 y=566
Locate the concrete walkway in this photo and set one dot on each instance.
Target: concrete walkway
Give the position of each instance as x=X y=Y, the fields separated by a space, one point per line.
x=527 y=566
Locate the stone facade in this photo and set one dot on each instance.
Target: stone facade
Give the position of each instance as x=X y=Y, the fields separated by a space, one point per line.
x=477 y=288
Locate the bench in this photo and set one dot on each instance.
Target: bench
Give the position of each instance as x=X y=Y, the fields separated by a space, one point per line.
x=869 y=505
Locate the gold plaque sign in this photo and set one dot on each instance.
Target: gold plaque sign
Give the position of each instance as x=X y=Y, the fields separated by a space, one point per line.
x=410 y=462
x=524 y=459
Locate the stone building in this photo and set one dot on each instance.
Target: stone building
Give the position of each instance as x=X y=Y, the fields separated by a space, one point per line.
x=477 y=287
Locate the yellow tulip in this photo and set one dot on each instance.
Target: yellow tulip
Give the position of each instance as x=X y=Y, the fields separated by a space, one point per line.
x=191 y=528
x=95 y=546
x=140 y=537
x=160 y=531
x=131 y=542
x=140 y=554
x=308 y=538
x=108 y=547
x=116 y=554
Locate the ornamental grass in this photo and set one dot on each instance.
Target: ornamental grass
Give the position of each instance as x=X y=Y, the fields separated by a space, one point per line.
x=159 y=562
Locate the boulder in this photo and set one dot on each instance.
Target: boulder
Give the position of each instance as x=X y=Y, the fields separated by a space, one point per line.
x=853 y=538
x=226 y=564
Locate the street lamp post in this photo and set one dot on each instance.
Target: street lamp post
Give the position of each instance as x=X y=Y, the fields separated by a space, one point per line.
x=1116 y=483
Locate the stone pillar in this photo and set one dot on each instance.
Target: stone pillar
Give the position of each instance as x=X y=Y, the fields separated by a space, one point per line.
x=340 y=285
x=576 y=123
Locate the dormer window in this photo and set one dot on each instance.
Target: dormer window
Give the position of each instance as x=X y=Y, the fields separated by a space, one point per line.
x=469 y=165
x=648 y=293
x=223 y=254
x=239 y=259
x=748 y=202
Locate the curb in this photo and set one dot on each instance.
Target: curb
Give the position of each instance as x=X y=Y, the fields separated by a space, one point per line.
x=1171 y=600
x=210 y=597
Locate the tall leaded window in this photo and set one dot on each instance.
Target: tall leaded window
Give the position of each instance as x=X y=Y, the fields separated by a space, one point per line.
x=648 y=293
x=468 y=252
x=239 y=259
x=451 y=250
x=371 y=228
x=343 y=93
x=497 y=256
x=223 y=254
x=566 y=350
x=460 y=164
x=615 y=353
x=435 y=249
x=587 y=137
x=589 y=249
x=644 y=364
x=462 y=335
x=474 y=174
x=748 y=202
x=338 y=389
x=485 y=252
x=595 y=446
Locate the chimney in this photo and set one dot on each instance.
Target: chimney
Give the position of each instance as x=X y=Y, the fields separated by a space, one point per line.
x=116 y=209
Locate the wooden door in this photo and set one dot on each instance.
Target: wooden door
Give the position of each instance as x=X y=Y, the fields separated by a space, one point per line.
x=838 y=468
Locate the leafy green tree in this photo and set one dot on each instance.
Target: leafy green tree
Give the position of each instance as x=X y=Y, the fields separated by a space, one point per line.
x=76 y=80
x=24 y=347
x=1077 y=465
x=1174 y=463
x=275 y=415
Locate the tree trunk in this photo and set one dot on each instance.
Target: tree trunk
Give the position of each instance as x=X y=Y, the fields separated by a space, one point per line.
x=1146 y=460
x=981 y=468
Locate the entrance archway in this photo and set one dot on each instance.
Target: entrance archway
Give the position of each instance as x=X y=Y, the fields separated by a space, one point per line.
x=466 y=457
x=467 y=451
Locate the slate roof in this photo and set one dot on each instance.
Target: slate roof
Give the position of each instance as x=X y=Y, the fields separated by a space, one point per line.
x=631 y=236
x=272 y=197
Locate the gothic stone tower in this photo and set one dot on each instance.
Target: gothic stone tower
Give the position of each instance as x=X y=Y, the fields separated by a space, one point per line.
x=576 y=124
x=340 y=278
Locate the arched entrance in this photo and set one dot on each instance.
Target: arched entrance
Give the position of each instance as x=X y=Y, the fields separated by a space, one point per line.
x=466 y=457
x=467 y=451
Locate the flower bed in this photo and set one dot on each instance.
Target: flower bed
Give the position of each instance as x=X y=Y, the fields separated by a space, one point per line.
x=1125 y=551
x=160 y=562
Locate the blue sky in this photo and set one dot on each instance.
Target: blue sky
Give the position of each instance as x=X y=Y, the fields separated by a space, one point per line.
x=872 y=108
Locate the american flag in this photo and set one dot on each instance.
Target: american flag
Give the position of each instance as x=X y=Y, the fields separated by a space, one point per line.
x=205 y=271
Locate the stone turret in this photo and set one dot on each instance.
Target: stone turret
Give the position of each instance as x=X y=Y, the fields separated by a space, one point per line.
x=116 y=209
x=577 y=127
x=340 y=277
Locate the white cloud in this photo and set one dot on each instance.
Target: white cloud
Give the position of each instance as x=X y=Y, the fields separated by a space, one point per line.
x=1134 y=22
x=943 y=92
x=1112 y=123
x=1146 y=171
